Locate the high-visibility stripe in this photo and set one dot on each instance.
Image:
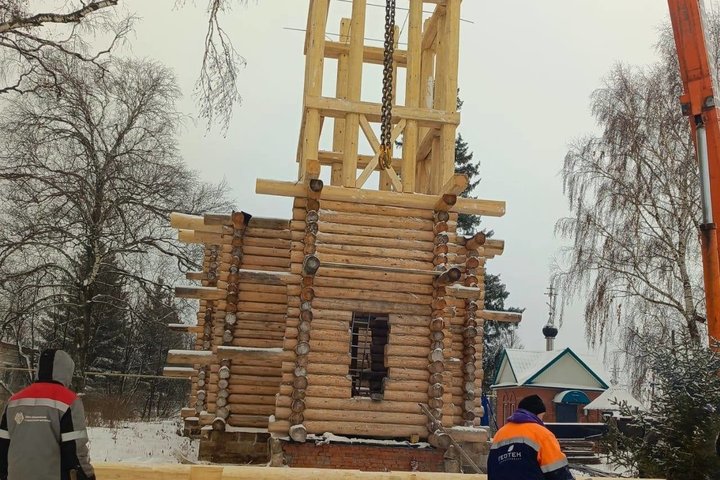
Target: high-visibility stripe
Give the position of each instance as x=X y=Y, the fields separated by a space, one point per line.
x=66 y=437
x=4 y=434
x=554 y=465
x=39 y=402
x=510 y=441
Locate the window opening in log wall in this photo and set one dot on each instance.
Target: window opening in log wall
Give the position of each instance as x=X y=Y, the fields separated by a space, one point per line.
x=367 y=354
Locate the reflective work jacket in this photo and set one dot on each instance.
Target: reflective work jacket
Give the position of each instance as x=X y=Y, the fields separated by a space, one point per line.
x=42 y=431
x=525 y=450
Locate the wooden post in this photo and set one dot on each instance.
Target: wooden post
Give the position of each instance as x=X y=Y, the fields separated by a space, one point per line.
x=354 y=85
x=412 y=94
x=313 y=82
x=427 y=100
x=450 y=35
x=336 y=177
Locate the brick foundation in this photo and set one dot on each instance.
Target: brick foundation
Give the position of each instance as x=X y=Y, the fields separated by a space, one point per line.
x=234 y=447
x=372 y=458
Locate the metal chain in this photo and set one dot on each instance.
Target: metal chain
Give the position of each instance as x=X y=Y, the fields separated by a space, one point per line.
x=386 y=149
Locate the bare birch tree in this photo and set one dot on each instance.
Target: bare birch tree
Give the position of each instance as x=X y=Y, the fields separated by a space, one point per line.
x=30 y=39
x=89 y=178
x=633 y=193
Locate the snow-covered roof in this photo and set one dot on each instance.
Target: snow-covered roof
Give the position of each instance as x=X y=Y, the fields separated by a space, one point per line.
x=557 y=368
x=610 y=399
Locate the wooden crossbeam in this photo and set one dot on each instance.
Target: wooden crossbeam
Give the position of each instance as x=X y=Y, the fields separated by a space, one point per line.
x=249 y=354
x=336 y=158
x=456 y=185
x=371 y=55
x=492 y=208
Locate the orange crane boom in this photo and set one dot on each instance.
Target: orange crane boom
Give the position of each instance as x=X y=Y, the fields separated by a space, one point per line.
x=698 y=103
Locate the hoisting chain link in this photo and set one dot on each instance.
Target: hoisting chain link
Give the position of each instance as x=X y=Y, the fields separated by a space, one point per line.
x=386 y=149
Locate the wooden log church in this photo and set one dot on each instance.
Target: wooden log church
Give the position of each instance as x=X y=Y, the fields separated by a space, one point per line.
x=366 y=302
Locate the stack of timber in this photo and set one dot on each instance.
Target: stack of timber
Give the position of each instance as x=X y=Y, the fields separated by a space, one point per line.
x=122 y=471
x=240 y=328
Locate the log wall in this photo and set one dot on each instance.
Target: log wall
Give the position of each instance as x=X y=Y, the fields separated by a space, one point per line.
x=430 y=356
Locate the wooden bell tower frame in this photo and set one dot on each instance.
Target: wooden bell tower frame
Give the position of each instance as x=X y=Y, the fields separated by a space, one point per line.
x=427 y=121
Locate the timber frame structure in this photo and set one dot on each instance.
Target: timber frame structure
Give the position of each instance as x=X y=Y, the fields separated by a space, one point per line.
x=275 y=344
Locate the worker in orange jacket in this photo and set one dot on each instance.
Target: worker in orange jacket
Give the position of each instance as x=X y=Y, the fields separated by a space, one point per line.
x=524 y=449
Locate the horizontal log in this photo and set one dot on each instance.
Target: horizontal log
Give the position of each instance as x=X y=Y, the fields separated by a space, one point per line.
x=324 y=380
x=271 y=233
x=193 y=222
x=350 y=291
x=179 y=372
x=204 y=293
x=338 y=108
x=372 y=219
x=399 y=418
x=398 y=373
x=375 y=285
x=369 y=306
x=318 y=369
x=384 y=210
x=262 y=297
x=193 y=357
x=251 y=409
x=461 y=291
x=377 y=232
x=378 y=252
x=154 y=471
x=250 y=421
x=256 y=261
x=416 y=200
x=509 y=317
x=245 y=354
x=406 y=351
x=365 y=429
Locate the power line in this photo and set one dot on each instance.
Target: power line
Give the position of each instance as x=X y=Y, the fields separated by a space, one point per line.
x=400 y=8
x=338 y=35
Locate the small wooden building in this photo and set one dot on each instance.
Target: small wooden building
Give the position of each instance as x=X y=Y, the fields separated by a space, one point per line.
x=566 y=381
x=365 y=302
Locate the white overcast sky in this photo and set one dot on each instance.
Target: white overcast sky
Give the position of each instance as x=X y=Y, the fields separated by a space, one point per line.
x=527 y=69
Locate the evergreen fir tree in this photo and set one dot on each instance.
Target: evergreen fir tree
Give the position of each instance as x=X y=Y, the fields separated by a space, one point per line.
x=464 y=165
x=675 y=438
x=497 y=335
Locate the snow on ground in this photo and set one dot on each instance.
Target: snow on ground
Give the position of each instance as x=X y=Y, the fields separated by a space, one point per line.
x=141 y=442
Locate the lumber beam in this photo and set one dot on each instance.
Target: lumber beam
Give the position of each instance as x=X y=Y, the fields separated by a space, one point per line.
x=507 y=317
x=246 y=354
x=338 y=108
x=461 y=291
x=191 y=357
x=426 y=144
x=492 y=208
x=179 y=372
x=128 y=471
x=201 y=293
x=431 y=27
x=264 y=277
x=183 y=328
x=336 y=158
x=371 y=55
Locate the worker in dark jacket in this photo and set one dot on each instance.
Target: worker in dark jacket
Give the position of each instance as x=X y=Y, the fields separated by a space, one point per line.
x=524 y=449
x=42 y=431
